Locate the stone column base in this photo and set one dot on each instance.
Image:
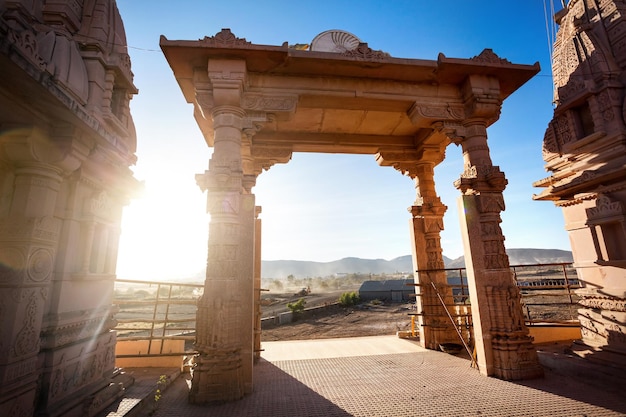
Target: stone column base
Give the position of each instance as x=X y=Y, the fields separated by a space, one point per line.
x=515 y=358
x=217 y=377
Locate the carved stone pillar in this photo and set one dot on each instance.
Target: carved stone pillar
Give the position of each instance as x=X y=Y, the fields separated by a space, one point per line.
x=426 y=224
x=503 y=346
x=223 y=368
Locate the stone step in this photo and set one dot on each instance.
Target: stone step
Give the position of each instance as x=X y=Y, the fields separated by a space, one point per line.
x=140 y=397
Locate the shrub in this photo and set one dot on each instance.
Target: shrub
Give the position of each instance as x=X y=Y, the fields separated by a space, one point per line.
x=348 y=299
x=297 y=307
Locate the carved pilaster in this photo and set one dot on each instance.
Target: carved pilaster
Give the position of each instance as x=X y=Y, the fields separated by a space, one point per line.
x=29 y=238
x=503 y=345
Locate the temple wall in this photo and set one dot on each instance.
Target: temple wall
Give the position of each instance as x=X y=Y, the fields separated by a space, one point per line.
x=585 y=153
x=65 y=150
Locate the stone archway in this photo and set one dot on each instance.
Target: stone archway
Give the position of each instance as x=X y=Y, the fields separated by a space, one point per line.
x=257 y=104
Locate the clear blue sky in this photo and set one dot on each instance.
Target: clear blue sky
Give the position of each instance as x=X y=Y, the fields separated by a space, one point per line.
x=326 y=207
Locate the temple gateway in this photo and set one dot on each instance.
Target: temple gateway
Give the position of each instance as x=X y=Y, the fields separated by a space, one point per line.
x=67 y=141
x=257 y=104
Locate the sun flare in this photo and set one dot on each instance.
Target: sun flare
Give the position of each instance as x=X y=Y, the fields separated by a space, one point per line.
x=164 y=234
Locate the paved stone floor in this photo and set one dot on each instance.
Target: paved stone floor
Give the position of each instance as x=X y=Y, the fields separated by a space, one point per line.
x=400 y=379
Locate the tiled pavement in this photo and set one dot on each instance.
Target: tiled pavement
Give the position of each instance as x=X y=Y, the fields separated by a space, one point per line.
x=400 y=380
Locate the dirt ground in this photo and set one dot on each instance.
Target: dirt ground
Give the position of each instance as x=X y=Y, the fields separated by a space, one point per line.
x=336 y=321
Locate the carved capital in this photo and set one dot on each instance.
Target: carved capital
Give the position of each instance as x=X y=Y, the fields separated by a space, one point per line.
x=227 y=116
x=429 y=207
x=411 y=162
x=482 y=178
x=228 y=78
x=481 y=95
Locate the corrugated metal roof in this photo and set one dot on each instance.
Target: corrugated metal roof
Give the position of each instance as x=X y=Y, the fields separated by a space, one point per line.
x=388 y=285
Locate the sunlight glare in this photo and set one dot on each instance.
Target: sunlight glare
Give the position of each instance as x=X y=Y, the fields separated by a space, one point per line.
x=164 y=233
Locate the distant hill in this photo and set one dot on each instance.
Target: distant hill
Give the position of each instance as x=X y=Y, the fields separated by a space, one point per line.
x=402 y=264
x=305 y=269
x=525 y=256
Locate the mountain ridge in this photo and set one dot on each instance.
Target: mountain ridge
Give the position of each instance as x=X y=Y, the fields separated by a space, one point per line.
x=280 y=269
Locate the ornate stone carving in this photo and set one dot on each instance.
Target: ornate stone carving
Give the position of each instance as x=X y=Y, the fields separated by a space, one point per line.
x=491 y=203
x=584 y=177
x=604 y=303
x=40 y=265
x=486 y=177
x=605 y=105
x=26 y=42
x=265 y=102
x=439 y=112
x=63 y=334
x=27 y=339
x=365 y=53
x=505 y=309
x=494 y=253
x=225 y=39
x=550 y=145
x=563 y=130
x=605 y=208
x=422 y=113
x=487 y=56
x=573 y=88
x=99 y=205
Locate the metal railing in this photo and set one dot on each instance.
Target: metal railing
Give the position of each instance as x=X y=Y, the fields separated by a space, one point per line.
x=547 y=290
x=156 y=312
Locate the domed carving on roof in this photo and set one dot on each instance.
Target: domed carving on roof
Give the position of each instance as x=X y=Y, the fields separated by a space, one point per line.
x=65 y=63
x=103 y=29
x=335 y=41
